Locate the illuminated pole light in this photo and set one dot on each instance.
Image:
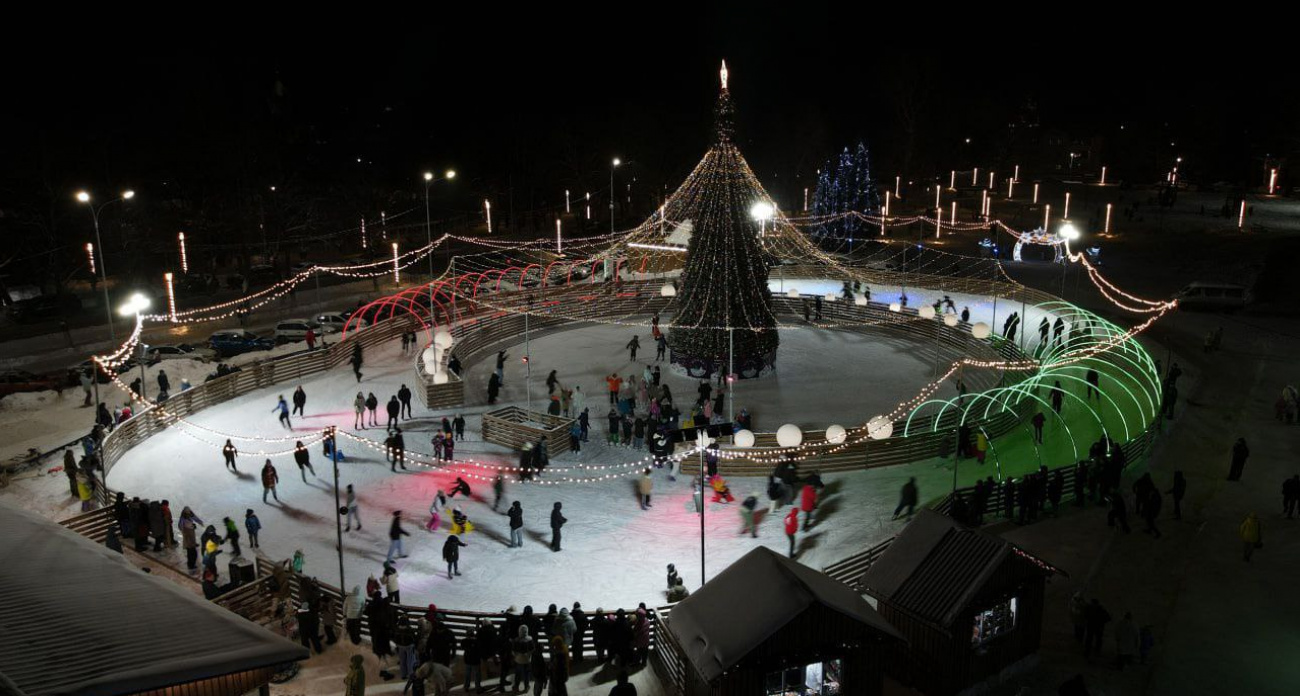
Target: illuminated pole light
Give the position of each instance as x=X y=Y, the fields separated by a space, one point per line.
x=90 y=255
x=1035 y=194
x=991 y=177
x=397 y=268
x=1103 y=176
x=898 y=183
x=805 y=199
x=588 y=205
x=487 y=212
x=1016 y=175
x=953 y=216
x=559 y=240
x=937 y=191
x=984 y=203
x=185 y=262
x=1272 y=181
x=171 y=297
x=1241 y=216
x=383 y=224
x=1066 y=213
x=1011 y=189
x=938 y=222
x=952 y=179
x=975 y=177
x=887 y=197
x=363 y=233
x=566 y=201
x=1107 y=228
x=1047 y=217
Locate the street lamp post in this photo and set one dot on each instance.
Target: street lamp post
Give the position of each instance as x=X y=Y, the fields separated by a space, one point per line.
x=136 y=305
x=613 y=166
x=428 y=227
x=84 y=197
x=338 y=521
x=1069 y=233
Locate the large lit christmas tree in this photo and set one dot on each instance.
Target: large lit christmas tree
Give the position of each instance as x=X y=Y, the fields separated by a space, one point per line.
x=844 y=185
x=724 y=308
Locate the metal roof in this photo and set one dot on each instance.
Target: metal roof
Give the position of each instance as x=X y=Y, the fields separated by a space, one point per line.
x=77 y=618
x=750 y=601
x=935 y=565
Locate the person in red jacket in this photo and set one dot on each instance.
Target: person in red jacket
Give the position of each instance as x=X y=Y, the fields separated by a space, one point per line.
x=791 y=527
x=807 y=501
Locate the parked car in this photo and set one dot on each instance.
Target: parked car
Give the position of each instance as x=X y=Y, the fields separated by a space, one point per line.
x=291 y=330
x=74 y=373
x=183 y=351
x=44 y=307
x=229 y=343
x=334 y=322
x=20 y=381
x=1223 y=296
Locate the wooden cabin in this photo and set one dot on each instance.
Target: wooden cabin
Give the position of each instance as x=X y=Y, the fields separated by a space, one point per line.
x=768 y=625
x=969 y=604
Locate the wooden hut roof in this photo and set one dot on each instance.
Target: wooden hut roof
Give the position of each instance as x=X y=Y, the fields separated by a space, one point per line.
x=935 y=565
x=750 y=601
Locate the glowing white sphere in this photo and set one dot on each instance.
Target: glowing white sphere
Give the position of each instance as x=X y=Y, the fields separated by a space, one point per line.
x=668 y=290
x=789 y=435
x=980 y=330
x=743 y=438
x=440 y=377
x=926 y=312
x=430 y=358
x=895 y=307
x=703 y=439
x=950 y=319
x=879 y=428
x=835 y=434
x=443 y=339
x=792 y=292
x=830 y=297
x=860 y=300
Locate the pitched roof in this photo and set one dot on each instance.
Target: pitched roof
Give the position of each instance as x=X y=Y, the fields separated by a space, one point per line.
x=935 y=565
x=751 y=600
x=77 y=618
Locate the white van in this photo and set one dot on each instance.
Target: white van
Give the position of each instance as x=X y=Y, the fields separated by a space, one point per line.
x=1224 y=296
x=291 y=330
x=335 y=321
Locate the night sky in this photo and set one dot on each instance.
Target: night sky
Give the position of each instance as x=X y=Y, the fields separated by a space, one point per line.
x=211 y=113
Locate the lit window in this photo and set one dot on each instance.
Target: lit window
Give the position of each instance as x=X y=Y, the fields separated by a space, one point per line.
x=993 y=622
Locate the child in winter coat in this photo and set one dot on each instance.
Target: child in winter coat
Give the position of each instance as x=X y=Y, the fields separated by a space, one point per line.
x=721 y=493
x=792 y=527
x=439 y=501
x=253 y=525
x=747 y=515
x=232 y=536
x=460 y=524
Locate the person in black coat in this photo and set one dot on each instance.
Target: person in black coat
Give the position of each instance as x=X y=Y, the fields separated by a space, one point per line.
x=516 y=515
x=1178 y=491
x=379 y=617
x=299 y=401
x=309 y=628
x=485 y=641
x=451 y=554
x=404 y=396
x=619 y=639
x=557 y=521
x=600 y=634
x=580 y=630
x=157 y=525
x=493 y=388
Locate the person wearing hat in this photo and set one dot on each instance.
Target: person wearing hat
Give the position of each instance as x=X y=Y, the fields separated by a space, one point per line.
x=673 y=577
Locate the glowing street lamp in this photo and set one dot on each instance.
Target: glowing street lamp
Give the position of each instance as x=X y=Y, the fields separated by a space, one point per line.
x=136 y=305
x=185 y=262
x=1272 y=181
x=1066 y=213
x=1107 y=228
x=428 y=227
x=487 y=212
x=975 y=177
x=1241 y=215
x=1035 y=194
x=171 y=297
x=84 y=197
x=559 y=239
x=566 y=201
x=762 y=211
x=1047 y=217
x=1103 y=176
x=614 y=165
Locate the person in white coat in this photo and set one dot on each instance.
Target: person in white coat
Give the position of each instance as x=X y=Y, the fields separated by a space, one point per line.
x=578 y=401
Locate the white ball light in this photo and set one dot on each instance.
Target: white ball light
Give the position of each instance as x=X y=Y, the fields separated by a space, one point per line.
x=443 y=339
x=792 y=292
x=950 y=319
x=744 y=438
x=879 y=428
x=440 y=377
x=980 y=330
x=835 y=434
x=668 y=290
x=789 y=435
x=430 y=358
x=895 y=307
x=926 y=312
x=860 y=300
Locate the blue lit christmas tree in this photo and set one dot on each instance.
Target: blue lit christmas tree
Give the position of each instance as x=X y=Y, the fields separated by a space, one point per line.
x=845 y=184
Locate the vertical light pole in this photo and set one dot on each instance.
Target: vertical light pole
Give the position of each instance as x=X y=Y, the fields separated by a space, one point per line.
x=1103 y=175
x=898 y=185
x=136 y=305
x=397 y=268
x=589 y=205
x=1069 y=234
x=559 y=240
x=1016 y=176
x=1272 y=181
x=428 y=227
x=1035 y=193
x=185 y=261
x=1066 y=213
x=487 y=212
x=612 y=167
x=566 y=201
x=90 y=256
x=171 y=297
x=84 y=197
x=1107 y=228
x=1047 y=217
x=338 y=521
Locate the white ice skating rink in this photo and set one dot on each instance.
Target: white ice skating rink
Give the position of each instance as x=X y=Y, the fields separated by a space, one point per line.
x=614 y=553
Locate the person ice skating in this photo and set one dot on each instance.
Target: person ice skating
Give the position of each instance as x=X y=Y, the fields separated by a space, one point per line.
x=460 y=524
x=501 y=367
x=907 y=498
x=557 y=522
x=372 y=405
x=356 y=361
x=458 y=424
x=394 y=408
x=1252 y=536
x=310 y=337
x=1118 y=514
x=435 y=507
x=269 y=480
x=460 y=487
x=721 y=492
x=633 y=346
x=395 y=534
x=302 y=458
x=644 y=486
x=493 y=388
x=354 y=512
x=1094 y=380
x=253 y=526
x=1240 y=452
x=1178 y=490
x=451 y=554
x=398 y=442
x=359 y=405
x=1038 y=420
x=283 y=407
x=299 y=401
x=614 y=383
x=1151 y=505
x=807 y=503
x=792 y=527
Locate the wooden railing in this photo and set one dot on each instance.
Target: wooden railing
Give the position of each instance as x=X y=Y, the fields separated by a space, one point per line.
x=515 y=427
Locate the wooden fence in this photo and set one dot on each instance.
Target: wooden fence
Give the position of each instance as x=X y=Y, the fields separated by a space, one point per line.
x=515 y=427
